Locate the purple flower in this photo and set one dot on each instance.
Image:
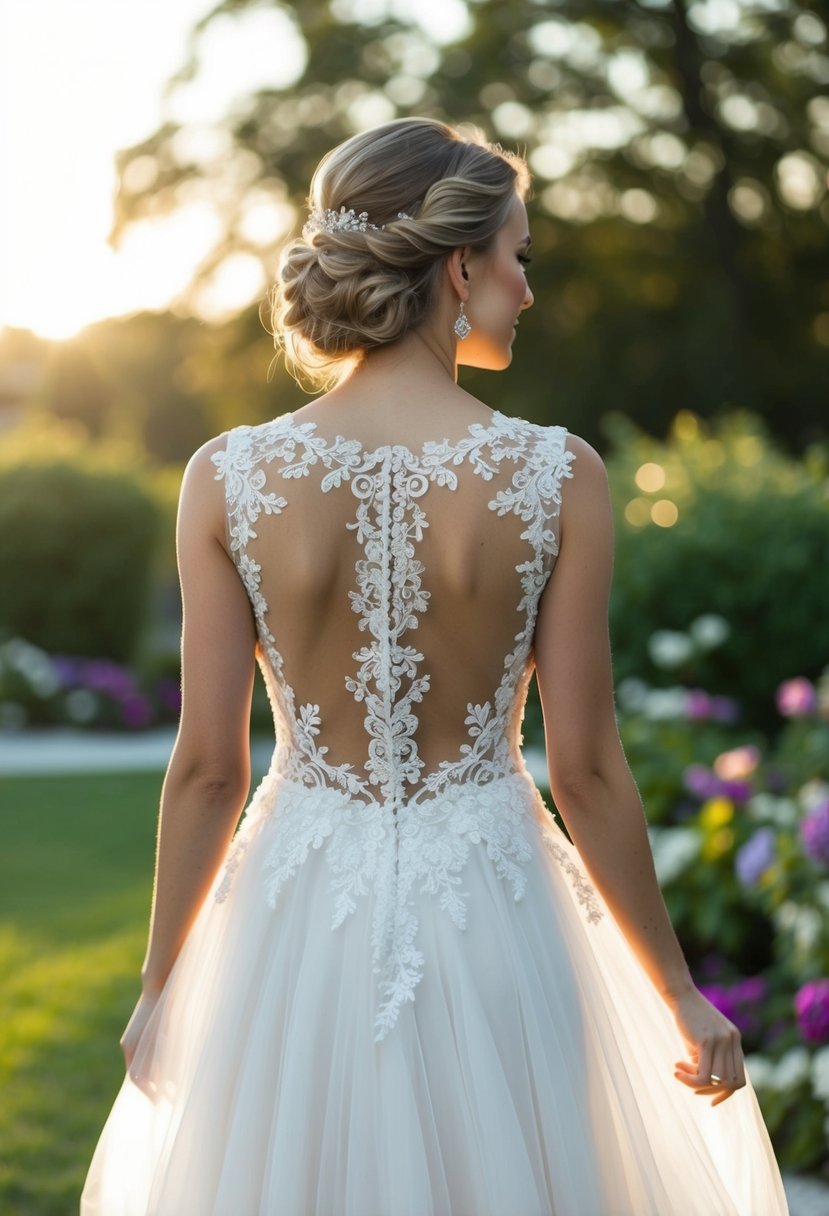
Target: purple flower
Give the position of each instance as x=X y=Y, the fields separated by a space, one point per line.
x=698 y=705
x=755 y=857
x=721 y=998
x=724 y=709
x=136 y=711
x=751 y=990
x=740 y=1002
x=102 y=675
x=67 y=669
x=796 y=698
x=701 y=781
x=814 y=832
x=811 y=1005
x=737 y=791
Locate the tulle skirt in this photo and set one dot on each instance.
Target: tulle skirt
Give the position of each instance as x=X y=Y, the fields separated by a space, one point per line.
x=532 y=1075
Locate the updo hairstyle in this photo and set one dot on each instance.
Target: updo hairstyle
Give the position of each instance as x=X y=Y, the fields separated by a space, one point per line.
x=339 y=294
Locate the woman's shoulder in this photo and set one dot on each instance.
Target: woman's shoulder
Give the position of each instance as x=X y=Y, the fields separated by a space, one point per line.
x=559 y=436
x=240 y=441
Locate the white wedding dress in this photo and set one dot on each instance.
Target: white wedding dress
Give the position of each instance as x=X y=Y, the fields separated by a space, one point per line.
x=403 y=997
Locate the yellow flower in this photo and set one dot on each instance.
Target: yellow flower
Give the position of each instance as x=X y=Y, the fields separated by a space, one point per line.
x=718 y=843
x=716 y=813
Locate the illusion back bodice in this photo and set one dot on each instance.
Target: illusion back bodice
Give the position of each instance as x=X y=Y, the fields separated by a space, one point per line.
x=395 y=589
x=395 y=592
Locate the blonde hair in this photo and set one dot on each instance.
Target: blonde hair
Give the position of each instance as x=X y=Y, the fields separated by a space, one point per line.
x=341 y=293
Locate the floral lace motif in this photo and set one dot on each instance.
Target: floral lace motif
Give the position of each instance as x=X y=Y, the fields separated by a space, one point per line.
x=377 y=835
x=584 y=891
x=425 y=846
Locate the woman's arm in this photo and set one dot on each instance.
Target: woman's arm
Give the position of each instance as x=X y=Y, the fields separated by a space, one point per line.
x=208 y=777
x=589 y=775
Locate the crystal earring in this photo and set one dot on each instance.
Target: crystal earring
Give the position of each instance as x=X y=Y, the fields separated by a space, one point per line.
x=462 y=325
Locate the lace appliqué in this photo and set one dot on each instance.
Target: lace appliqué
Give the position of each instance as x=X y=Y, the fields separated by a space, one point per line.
x=585 y=892
x=425 y=846
x=389 y=521
x=261 y=804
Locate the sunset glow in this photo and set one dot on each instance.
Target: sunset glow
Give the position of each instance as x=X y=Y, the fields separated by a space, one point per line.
x=67 y=104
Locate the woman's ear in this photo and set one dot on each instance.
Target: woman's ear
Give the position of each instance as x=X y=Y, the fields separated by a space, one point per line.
x=458 y=273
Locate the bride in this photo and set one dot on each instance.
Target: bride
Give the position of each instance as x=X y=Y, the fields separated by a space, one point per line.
x=399 y=988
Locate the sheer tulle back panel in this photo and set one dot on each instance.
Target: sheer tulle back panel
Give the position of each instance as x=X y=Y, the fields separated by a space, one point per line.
x=464 y=615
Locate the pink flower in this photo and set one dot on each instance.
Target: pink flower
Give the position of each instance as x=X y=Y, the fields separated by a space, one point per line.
x=814 y=832
x=738 y=763
x=796 y=698
x=811 y=1005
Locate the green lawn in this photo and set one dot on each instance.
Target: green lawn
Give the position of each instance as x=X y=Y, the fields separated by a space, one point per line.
x=75 y=881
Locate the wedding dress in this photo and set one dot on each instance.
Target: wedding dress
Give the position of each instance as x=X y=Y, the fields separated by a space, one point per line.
x=403 y=996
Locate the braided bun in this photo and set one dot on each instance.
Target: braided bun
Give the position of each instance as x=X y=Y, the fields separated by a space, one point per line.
x=341 y=292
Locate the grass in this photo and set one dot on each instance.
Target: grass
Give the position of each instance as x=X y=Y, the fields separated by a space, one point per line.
x=75 y=882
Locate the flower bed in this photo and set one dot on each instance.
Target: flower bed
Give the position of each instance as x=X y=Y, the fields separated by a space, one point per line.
x=740 y=831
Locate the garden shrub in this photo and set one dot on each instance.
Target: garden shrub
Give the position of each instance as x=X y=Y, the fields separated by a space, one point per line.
x=76 y=549
x=750 y=542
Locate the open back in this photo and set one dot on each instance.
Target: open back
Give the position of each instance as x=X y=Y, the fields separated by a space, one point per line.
x=395 y=593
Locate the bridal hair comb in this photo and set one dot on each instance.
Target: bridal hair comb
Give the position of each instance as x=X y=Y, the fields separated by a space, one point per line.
x=344 y=221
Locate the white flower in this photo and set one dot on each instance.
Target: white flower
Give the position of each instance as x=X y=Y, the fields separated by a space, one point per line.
x=631 y=693
x=668 y=648
x=760 y=1071
x=805 y=924
x=820 y=1073
x=34 y=665
x=81 y=705
x=812 y=794
x=792 y=1069
x=673 y=850
x=768 y=809
x=709 y=630
x=785 y=916
x=807 y=930
x=665 y=704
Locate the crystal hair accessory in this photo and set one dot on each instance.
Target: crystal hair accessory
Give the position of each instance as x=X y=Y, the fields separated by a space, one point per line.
x=344 y=221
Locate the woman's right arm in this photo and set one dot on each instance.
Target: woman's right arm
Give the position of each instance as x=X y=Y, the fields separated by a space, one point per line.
x=590 y=779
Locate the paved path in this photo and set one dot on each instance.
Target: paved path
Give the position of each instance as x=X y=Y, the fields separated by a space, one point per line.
x=63 y=750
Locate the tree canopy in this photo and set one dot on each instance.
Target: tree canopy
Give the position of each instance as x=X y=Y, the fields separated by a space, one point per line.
x=679 y=150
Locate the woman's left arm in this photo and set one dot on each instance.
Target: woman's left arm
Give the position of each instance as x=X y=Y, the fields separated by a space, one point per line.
x=208 y=777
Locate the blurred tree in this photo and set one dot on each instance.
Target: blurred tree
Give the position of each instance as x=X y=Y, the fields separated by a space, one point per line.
x=680 y=151
x=75 y=386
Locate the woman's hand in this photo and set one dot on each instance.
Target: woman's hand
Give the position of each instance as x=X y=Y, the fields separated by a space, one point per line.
x=714 y=1047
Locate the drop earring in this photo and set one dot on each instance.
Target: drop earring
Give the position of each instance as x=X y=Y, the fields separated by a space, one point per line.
x=462 y=325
